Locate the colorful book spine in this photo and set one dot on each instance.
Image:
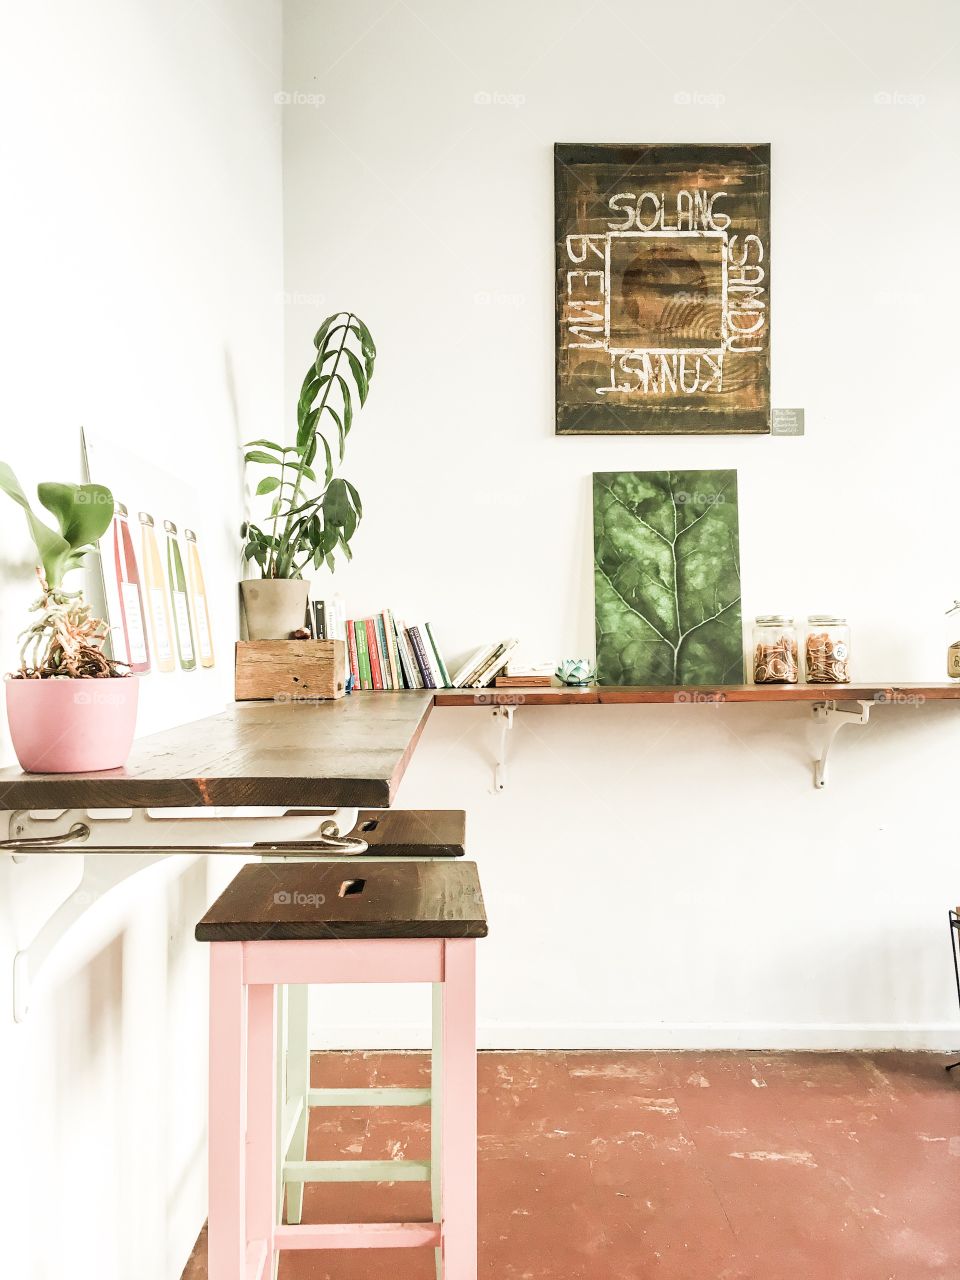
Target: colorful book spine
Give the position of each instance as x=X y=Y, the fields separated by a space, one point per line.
x=363 y=657
x=423 y=661
x=424 y=634
x=352 y=654
x=375 y=672
x=383 y=652
x=441 y=665
x=393 y=653
x=411 y=671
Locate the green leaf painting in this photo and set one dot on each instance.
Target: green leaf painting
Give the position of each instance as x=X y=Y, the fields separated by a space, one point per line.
x=667 y=571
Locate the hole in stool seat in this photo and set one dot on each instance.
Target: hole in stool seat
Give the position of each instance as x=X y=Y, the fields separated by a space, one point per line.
x=370 y=825
x=351 y=887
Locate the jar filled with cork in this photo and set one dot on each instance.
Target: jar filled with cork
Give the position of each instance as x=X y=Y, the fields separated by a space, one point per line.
x=953 y=641
x=827 y=650
x=776 y=658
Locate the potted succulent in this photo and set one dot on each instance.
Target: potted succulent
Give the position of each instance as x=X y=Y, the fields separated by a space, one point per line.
x=308 y=517
x=70 y=708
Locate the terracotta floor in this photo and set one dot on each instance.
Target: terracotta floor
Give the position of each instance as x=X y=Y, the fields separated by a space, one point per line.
x=622 y=1166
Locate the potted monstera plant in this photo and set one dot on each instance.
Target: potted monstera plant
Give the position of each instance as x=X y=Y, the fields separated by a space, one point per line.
x=70 y=708
x=312 y=512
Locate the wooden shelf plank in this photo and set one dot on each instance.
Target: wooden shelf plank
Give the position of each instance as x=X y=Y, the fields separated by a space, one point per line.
x=538 y=696
x=351 y=752
x=693 y=694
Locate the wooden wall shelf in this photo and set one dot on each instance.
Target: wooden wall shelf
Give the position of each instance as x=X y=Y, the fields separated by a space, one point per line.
x=833 y=705
x=692 y=694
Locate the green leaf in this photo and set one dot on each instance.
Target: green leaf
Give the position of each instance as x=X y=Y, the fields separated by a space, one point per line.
x=328 y=469
x=267 y=485
x=324 y=329
x=366 y=346
x=257 y=455
x=355 y=496
x=267 y=444
x=83 y=511
x=667 y=578
x=359 y=376
x=347 y=406
x=366 y=341
x=308 y=393
x=307 y=428
x=341 y=434
x=51 y=547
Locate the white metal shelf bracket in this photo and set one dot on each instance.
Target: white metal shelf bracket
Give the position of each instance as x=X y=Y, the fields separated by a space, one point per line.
x=505 y=716
x=833 y=716
x=112 y=845
x=99 y=873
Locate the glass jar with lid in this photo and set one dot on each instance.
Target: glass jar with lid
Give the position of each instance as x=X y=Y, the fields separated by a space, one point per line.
x=827 y=650
x=953 y=641
x=776 y=658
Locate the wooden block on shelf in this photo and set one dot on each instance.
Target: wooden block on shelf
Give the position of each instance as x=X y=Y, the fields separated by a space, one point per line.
x=283 y=670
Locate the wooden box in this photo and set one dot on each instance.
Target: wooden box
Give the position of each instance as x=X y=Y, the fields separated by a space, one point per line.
x=284 y=670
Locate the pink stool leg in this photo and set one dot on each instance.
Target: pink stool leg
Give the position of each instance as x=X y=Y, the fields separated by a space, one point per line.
x=228 y=1037
x=459 y=1115
x=261 y=1177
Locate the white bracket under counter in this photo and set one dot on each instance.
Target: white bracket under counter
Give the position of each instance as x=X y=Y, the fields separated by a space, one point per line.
x=111 y=845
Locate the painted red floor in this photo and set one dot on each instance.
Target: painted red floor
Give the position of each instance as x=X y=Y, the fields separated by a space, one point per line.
x=673 y=1166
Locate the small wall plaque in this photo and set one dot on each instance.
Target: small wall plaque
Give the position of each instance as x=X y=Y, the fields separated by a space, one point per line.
x=786 y=422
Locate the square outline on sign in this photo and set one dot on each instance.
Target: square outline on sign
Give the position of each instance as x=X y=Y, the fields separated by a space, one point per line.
x=666 y=234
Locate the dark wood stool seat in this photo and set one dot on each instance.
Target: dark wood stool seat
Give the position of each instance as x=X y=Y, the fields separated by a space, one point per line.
x=349 y=899
x=409 y=833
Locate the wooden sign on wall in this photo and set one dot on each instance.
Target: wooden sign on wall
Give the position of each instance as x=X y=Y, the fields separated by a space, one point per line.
x=663 y=289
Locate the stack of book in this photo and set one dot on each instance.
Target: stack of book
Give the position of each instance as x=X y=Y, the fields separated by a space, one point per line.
x=525 y=675
x=387 y=654
x=482 y=667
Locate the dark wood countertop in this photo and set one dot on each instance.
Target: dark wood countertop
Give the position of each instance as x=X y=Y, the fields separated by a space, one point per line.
x=352 y=751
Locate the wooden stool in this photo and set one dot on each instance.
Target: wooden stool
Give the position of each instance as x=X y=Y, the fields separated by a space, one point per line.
x=389 y=833
x=297 y=923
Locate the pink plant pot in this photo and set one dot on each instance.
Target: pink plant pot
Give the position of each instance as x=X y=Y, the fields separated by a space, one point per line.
x=72 y=726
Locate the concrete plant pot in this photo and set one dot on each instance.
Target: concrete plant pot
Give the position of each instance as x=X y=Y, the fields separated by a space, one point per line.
x=274 y=607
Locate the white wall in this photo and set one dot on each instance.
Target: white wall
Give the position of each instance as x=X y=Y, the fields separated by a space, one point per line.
x=142 y=298
x=655 y=876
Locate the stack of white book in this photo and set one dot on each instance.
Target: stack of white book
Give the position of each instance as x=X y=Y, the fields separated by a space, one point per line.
x=481 y=667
